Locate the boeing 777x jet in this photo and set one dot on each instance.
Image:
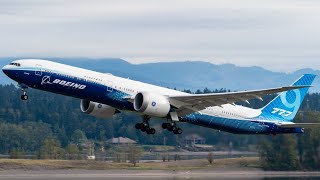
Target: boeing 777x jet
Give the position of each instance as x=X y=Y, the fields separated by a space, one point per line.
x=102 y=95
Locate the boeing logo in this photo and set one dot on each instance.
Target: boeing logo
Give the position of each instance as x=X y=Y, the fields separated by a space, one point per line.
x=153 y=104
x=46 y=80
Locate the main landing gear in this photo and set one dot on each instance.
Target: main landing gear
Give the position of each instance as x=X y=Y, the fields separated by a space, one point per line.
x=24 y=95
x=171 y=126
x=144 y=126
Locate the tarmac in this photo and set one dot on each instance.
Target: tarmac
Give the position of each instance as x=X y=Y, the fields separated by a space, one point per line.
x=152 y=174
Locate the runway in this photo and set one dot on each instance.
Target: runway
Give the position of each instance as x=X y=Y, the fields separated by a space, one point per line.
x=151 y=174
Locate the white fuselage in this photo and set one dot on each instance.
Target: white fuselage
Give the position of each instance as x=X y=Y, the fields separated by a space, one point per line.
x=118 y=93
x=129 y=86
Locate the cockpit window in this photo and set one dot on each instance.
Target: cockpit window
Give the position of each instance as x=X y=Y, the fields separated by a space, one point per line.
x=15 y=64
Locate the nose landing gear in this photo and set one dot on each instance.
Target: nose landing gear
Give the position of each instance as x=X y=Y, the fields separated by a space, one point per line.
x=24 y=95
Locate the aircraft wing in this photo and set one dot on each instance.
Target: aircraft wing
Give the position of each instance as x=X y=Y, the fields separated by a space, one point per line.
x=298 y=125
x=196 y=102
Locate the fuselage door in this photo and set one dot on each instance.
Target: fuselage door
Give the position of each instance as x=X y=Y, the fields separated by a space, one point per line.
x=38 y=71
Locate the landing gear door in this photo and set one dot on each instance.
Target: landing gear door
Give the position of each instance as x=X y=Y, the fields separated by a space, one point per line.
x=38 y=71
x=109 y=86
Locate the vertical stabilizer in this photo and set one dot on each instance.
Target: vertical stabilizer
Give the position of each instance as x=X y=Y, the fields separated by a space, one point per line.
x=286 y=105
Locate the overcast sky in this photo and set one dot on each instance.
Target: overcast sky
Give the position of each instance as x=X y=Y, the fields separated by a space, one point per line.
x=280 y=35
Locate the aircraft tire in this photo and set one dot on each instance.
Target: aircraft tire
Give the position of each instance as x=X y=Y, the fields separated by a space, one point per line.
x=174 y=128
x=178 y=131
x=152 y=131
x=24 y=97
x=164 y=125
x=169 y=127
x=148 y=130
x=143 y=128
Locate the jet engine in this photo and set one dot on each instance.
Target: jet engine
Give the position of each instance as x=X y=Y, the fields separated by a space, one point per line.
x=151 y=104
x=96 y=109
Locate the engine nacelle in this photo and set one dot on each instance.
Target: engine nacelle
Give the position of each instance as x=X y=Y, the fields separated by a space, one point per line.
x=151 y=104
x=96 y=109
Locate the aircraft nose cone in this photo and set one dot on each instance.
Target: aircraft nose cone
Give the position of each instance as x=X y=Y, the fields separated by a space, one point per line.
x=6 y=70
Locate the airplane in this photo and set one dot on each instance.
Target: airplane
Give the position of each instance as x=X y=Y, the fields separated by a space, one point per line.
x=103 y=95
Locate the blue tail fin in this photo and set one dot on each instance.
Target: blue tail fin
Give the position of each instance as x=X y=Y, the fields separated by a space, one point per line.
x=286 y=105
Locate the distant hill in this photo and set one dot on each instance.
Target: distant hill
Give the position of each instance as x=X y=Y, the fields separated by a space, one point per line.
x=186 y=75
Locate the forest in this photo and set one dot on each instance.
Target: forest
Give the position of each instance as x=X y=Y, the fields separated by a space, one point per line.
x=47 y=118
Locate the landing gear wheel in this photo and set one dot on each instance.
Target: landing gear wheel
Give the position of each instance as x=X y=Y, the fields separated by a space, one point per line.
x=24 y=97
x=143 y=128
x=174 y=128
x=152 y=131
x=169 y=127
x=24 y=88
x=164 y=125
x=148 y=130
x=178 y=131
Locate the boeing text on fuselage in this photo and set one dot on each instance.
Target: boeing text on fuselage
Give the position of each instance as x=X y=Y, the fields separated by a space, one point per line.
x=46 y=80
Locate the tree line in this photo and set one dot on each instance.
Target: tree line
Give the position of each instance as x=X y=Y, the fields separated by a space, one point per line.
x=26 y=124
x=55 y=122
x=293 y=152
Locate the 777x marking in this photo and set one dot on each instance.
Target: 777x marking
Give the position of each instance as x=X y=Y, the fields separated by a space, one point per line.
x=281 y=112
